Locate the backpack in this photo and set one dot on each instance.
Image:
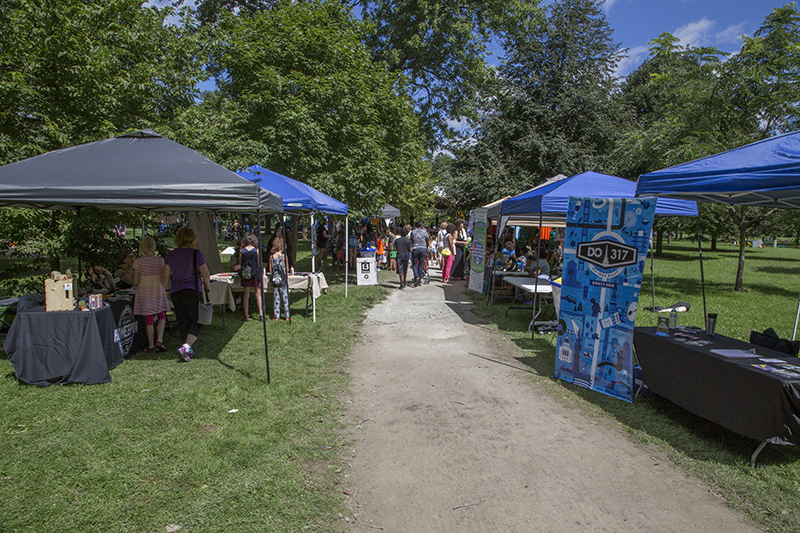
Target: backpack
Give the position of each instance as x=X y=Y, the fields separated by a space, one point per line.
x=247 y=270
x=277 y=273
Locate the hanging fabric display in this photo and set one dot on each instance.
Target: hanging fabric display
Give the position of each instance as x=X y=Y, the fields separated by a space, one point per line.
x=604 y=255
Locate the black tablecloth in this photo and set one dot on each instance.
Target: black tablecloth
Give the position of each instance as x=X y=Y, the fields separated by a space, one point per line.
x=131 y=332
x=731 y=392
x=63 y=346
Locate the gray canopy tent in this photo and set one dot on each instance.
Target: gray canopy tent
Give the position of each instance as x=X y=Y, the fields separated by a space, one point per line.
x=140 y=171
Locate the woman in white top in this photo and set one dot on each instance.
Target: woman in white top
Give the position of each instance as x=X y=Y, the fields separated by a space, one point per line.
x=441 y=237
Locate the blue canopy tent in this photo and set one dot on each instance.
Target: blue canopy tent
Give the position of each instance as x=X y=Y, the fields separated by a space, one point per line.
x=551 y=199
x=298 y=197
x=765 y=173
x=547 y=204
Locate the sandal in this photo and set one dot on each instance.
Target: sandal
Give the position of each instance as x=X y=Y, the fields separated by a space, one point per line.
x=246 y=319
x=148 y=349
x=160 y=346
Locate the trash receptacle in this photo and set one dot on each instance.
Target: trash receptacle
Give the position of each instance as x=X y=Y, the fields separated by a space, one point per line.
x=366 y=271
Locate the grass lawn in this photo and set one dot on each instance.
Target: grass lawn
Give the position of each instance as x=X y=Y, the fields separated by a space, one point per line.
x=768 y=494
x=158 y=446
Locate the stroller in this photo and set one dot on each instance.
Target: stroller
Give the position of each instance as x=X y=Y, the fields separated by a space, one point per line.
x=426 y=277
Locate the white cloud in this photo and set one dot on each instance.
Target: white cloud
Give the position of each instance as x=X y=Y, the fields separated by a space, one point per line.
x=636 y=57
x=608 y=4
x=695 y=33
x=731 y=35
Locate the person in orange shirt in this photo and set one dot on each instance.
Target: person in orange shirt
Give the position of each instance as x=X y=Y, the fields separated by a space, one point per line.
x=379 y=247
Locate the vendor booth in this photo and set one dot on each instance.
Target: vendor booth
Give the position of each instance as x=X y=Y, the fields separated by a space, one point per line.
x=766 y=174
x=547 y=204
x=300 y=198
x=140 y=171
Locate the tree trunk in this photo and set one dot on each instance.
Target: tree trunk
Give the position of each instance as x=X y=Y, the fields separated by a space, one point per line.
x=659 y=242
x=713 y=243
x=740 y=268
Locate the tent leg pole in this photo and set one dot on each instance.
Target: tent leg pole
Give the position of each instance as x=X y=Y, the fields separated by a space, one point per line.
x=536 y=300
x=346 y=252
x=313 y=244
x=702 y=274
x=263 y=294
x=490 y=292
x=796 y=319
x=652 y=271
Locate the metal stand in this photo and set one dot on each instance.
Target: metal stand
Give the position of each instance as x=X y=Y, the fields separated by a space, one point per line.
x=755 y=454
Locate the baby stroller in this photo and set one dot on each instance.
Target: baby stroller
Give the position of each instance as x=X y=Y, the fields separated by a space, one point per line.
x=426 y=277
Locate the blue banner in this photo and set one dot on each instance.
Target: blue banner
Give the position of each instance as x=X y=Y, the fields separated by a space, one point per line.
x=604 y=255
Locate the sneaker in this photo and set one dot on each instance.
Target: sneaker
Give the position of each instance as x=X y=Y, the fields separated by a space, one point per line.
x=185 y=354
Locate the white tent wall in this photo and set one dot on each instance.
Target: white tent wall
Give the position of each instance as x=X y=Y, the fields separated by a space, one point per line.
x=203 y=226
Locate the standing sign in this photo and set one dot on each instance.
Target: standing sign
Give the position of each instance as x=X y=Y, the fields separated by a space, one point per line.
x=477 y=261
x=366 y=271
x=604 y=254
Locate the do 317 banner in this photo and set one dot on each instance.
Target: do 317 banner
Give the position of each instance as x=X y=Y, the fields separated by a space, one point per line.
x=605 y=249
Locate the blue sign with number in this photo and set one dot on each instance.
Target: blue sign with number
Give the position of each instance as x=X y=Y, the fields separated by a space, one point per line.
x=604 y=254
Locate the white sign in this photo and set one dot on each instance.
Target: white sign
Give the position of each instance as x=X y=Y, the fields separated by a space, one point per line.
x=366 y=271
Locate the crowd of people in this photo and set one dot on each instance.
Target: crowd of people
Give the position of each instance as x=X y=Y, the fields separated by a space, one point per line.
x=182 y=276
x=448 y=247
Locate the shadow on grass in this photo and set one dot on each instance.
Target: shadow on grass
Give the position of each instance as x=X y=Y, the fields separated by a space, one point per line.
x=650 y=418
x=791 y=270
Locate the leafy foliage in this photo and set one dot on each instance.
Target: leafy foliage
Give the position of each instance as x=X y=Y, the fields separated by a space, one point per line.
x=297 y=87
x=441 y=47
x=78 y=71
x=552 y=109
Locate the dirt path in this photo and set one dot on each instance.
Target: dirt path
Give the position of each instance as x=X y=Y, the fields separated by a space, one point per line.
x=450 y=435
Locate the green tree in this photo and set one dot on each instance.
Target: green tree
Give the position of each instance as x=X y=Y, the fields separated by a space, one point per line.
x=298 y=88
x=75 y=71
x=441 y=47
x=553 y=107
x=690 y=103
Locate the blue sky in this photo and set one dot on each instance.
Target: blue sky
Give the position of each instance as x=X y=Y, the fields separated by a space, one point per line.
x=718 y=23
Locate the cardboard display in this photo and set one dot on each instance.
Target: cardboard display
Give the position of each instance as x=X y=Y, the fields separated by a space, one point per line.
x=58 y=292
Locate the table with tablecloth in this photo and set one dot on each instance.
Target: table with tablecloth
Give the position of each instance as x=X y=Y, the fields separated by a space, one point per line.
x=314 y=285
x=740 y=394
x=63 y=346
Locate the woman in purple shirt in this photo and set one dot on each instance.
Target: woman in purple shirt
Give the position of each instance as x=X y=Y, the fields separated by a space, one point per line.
x=186 y=274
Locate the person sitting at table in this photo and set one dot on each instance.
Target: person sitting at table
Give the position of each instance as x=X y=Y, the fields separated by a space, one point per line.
x=151 y=297
x=234 y=263
x=123 y=275
x=537 y=264
x=100 y=279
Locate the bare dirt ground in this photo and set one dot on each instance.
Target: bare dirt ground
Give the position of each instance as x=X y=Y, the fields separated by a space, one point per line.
x=451 y=434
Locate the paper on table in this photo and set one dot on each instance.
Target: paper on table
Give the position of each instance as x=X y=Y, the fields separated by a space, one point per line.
x=737 y=354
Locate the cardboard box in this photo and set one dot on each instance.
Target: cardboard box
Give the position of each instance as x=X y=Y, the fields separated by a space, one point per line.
x=58 y=293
